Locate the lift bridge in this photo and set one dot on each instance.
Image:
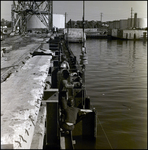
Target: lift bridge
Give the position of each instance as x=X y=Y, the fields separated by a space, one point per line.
x=22 y=12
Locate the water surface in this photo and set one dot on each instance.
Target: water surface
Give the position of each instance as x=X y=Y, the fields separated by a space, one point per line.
x=116 y=81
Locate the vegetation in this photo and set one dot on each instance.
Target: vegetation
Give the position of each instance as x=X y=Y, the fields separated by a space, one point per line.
x=87 y=24
x=5 y=23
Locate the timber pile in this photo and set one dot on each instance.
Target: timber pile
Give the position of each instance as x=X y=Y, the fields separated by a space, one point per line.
x=21 y=96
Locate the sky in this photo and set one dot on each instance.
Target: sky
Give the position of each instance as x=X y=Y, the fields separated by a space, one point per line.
x=111 y=10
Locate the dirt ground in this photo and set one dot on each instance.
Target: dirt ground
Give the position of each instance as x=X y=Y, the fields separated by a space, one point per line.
x=16 y=48
x=22 y=89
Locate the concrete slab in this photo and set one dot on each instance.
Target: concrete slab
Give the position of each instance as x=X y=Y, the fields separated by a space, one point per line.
x=21 y=96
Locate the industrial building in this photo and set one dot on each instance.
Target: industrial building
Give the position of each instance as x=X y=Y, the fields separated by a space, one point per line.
x=130 y=23
x=34 y=22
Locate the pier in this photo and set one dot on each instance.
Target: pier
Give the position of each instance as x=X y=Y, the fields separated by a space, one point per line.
x=76 y=34
x=30 y=112
x=34 y=108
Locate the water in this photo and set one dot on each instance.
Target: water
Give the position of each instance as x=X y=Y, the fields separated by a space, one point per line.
x=116 y=81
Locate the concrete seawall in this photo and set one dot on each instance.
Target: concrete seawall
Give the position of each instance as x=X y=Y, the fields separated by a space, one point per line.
x=76 y=34
x=21 y=96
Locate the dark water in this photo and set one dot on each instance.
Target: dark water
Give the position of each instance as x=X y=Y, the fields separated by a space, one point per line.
x=116 y=81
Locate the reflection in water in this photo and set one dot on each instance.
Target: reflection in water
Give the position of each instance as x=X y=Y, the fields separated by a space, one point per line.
x=116 y=77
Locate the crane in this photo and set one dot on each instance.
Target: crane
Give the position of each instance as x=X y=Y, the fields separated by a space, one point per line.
x=22 y=11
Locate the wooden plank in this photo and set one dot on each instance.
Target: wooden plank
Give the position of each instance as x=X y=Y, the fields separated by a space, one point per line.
x=62 y=142
x=52 y=122
x=69 y=141
x=21 y=96
x=50 y=101
x=51 y=90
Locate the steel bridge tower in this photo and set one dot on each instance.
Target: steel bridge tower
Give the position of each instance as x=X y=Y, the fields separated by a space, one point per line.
x=21 y=11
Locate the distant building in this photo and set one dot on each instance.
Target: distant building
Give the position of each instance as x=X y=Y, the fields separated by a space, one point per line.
x=131 y=28
x=142 y=22
x=59 y=21
x=34 y=23
x=139 y=23
x=129 y=34
x=123 y=24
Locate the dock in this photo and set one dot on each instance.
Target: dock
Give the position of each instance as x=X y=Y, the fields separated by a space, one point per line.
x=30 y=111
x=97 y=35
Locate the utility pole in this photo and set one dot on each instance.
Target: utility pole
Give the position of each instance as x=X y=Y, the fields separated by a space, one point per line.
x=66 y=27
x=131 y=15
x=83 y=58
x=51 y=9
x=83 y=23
x=12 y=18
x=50 y=15
x=101 y=17
x=65 y=19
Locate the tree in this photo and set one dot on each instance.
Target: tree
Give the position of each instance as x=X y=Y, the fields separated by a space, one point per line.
x=3 y=22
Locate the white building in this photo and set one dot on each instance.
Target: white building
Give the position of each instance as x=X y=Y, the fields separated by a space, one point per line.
x=35 y=23
x=142 y=22
x=59 y=21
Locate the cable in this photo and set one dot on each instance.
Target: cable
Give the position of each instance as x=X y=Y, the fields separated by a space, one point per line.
x=104 y=131
x=105 y=134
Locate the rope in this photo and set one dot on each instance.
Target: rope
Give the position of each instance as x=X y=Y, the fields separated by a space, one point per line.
x=105 y=135
x=103 y=130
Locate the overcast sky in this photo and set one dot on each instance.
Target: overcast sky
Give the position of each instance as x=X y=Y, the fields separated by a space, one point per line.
x=111 y=10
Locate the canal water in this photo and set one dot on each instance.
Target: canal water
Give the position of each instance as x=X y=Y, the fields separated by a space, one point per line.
x=116 y=81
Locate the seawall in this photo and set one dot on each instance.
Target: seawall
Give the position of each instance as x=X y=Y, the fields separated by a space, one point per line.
x=21 y=96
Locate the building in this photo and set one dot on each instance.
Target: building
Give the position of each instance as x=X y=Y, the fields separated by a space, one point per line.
x=139 y=23
x=129 y=34
x=34 y=23
x=123 y=24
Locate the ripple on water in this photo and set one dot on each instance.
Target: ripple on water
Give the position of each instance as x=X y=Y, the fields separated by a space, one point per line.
x=116 y=81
